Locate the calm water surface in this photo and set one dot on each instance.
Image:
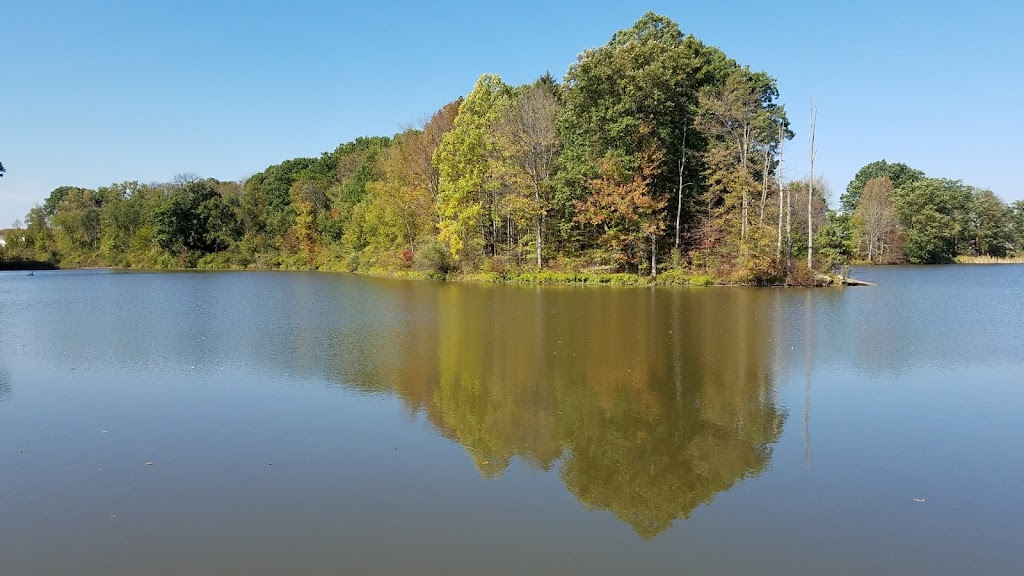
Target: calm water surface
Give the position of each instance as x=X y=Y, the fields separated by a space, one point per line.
x=288 y=423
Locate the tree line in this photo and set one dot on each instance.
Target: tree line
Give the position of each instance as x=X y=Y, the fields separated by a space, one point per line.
x=656 y=155
x=893 y=213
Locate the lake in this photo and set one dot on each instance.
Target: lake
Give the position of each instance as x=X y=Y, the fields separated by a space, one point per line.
x=257 y=423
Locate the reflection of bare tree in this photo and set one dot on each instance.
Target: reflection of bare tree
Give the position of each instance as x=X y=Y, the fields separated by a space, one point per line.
x=653 y=404
x=808 y=368
x=5 y=386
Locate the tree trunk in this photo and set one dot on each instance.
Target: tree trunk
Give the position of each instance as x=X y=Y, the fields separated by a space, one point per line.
x=789 y=228
x=412 y=245
x=810 y=222
x=743 y=225
x=764 y=186
x=679 y=202
x=778 y=249
x=746 y=193
x=654 y=256
x=540 y=219
x=810 y=190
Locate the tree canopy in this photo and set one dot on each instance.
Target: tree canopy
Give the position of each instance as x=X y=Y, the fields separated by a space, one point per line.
x=899 y=174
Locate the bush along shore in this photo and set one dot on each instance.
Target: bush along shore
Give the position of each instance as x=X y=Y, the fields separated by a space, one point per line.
x=655 y=159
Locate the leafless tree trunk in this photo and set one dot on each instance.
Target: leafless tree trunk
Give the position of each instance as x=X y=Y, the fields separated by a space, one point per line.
x=746 y=194
x=789 y=228
x=494 y=215
x=764 y=185
x=654 y=256
x=679 y=204
x=810 y=187
x=782 y=144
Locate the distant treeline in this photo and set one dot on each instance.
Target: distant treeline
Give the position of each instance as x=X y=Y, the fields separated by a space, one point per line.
x=895 y=214
x=657 y=154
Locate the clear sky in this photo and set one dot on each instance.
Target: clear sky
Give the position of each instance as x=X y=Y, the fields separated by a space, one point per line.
x=101 y=92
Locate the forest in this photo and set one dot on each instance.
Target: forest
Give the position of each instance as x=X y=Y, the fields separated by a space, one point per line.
x=656 y=159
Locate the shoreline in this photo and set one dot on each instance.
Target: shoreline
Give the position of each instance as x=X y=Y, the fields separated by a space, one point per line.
x=25 y=265
x=677 y=278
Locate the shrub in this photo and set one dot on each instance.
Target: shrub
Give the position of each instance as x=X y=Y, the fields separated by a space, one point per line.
x=352 y=262
x=482 y=278
x=702 y=280
x=496 y=265
x=802 y=276
x=435 y=259
x=673 y=276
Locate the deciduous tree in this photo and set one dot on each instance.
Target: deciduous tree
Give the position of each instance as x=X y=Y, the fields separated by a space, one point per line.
x=466 y=182
x=876 y=220
x=934 y=215
x=991 y=225
x=531 y=144
x=899 y=173
x=624 y=208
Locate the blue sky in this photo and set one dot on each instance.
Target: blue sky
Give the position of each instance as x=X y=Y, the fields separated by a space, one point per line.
x=123 y=90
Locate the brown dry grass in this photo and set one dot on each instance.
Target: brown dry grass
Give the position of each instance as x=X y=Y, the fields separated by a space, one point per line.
x=989 y=260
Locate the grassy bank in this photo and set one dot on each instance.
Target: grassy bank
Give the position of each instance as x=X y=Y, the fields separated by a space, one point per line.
x=581 y=278
x=550 y=277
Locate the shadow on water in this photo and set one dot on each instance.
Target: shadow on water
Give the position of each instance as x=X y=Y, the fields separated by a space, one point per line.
x=649 y=404
x=6 y=265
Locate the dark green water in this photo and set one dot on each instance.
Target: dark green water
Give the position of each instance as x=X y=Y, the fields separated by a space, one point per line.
x=332 y=424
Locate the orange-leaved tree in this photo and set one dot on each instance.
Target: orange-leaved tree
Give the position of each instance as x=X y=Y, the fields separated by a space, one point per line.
x=626 y=210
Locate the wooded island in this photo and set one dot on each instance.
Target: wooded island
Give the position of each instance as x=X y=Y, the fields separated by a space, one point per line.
x=657 y=159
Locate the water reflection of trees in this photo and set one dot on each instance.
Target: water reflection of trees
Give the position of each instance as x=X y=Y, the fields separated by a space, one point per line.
x=653 y=402
x=646 y=402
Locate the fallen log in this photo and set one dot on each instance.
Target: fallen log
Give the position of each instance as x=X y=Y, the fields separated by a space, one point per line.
x=846 y=281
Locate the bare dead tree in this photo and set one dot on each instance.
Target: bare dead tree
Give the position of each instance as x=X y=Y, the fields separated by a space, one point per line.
x=789 y=228
x=654 y=256
x=764 y=184
x=679 y=203
x=533 y=137
x=186 y=178
x=811 y=153
x=782 y=147
x=878 y=215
